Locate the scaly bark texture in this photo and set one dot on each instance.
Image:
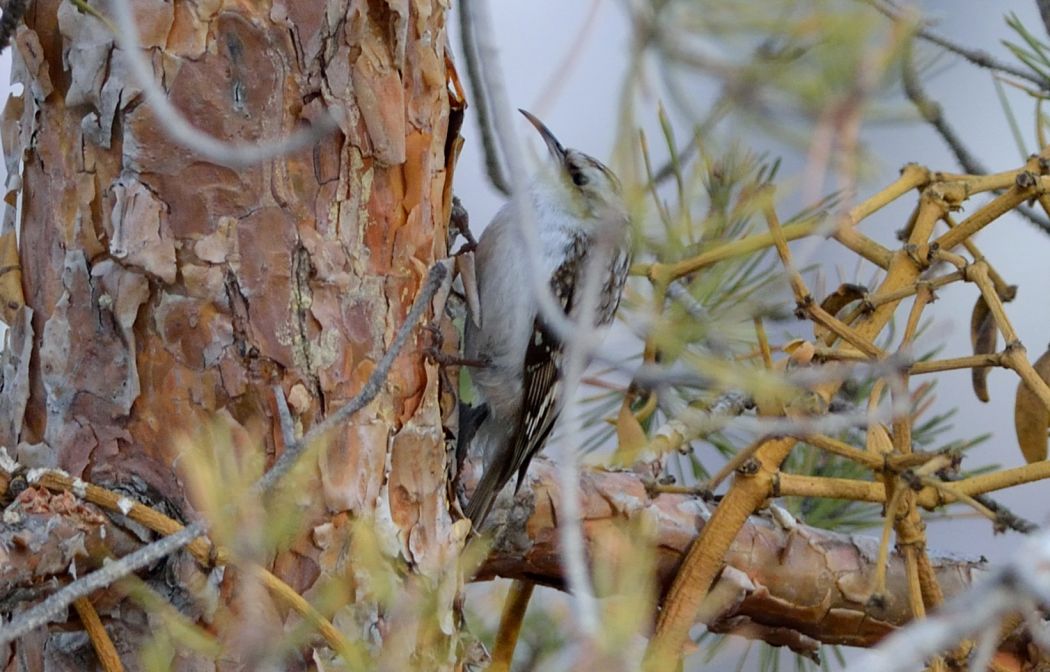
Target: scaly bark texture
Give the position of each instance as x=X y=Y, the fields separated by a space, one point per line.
x=154 y=292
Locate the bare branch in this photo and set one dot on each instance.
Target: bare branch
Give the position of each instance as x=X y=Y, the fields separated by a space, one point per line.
x=782 y=562
x=1044 y=13
x=932 y=112
x=479 y=94
x=46 y=611
x=977 y=57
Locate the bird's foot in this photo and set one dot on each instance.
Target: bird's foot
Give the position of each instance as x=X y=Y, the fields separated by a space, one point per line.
x=435 y=353
x=447 y=359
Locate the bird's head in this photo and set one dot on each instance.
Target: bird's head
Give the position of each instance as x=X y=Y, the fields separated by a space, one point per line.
x=579 y=184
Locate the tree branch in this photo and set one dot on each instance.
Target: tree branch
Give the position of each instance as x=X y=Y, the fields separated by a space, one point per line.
x=978 y=57
x=46 y=611
x=480 y=97
x=784 y=583
x=789 y=579
x=932 y=113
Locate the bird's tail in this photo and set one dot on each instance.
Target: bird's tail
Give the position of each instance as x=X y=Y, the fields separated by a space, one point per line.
x=480 y=504
x=481 y=501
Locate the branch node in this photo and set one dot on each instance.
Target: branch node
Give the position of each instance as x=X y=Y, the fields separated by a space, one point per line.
x=803 y=305
x=748 y=468
x=1026 y=180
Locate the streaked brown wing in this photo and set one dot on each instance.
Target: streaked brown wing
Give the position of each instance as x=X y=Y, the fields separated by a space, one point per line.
x=542 y=370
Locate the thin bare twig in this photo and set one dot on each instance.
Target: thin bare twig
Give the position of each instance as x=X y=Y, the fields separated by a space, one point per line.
x=978 y=57
x=46 y=611
x=561 y=73
x=479 y=95
x=932 y=113
x=180 y=130
x=570 y=525
x=491 y=79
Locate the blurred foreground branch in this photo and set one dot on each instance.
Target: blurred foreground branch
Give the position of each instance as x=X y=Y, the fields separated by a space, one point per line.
x=784 y=583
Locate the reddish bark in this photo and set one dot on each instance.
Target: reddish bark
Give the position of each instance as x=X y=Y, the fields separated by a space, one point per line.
x=162 y=291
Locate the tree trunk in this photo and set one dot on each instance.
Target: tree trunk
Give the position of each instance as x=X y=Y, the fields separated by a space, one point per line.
x=160 y=292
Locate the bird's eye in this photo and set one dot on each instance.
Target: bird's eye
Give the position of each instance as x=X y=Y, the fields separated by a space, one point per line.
x=578 y=178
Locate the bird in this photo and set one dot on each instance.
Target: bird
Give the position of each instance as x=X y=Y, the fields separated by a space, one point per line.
x=580 y=219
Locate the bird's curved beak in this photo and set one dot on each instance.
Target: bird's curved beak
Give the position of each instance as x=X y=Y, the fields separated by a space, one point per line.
x=556 y=150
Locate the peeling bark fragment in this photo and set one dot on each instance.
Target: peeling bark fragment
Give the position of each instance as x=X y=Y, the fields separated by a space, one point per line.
x=36 y=456
x=14 y=376
x=351 y=321
x=117 y=92
x=220 y=246
x=153 y=19
x=399 y=27
x=140 y=234
x=12 y=298
x=352 y=470
x=16 y=141
x=205 y=282
x=380 y=99
x=364 y=80
x=266 y=240
x=44 y=534
x=416 y=485
x=87 y=44
x=84 y=233
x=305 y=20
x=92 y=381
x=194 y=332
x=28 y=65
x=188 y=36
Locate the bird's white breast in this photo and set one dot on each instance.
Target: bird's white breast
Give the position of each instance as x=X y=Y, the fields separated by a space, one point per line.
x=508 y=306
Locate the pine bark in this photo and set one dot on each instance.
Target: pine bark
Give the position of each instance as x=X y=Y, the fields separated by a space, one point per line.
x=154 y=293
